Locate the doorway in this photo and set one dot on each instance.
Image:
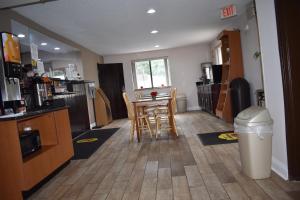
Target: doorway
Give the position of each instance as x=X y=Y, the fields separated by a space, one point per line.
x=111 y=81
x=287 y=17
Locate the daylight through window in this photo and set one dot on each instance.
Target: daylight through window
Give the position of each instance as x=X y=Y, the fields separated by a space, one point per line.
x=151 y=73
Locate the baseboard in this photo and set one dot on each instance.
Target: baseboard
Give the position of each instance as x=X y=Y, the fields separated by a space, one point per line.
x=92 y=125
x=280 y=168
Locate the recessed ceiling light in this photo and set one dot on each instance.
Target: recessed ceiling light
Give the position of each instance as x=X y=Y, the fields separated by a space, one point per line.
x=156 y=46
x=21 y=35
x=154 y=32
x=43 y=43
x=56 y=48
x=151 y=11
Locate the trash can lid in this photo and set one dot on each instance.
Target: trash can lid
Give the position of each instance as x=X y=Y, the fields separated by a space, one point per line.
x=254 y=116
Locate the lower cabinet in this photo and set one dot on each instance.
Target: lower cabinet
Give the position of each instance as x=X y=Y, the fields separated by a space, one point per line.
x=208 y=96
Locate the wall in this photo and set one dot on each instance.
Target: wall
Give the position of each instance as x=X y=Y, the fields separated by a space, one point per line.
x=89 y=59
x=184 y=68
x=273 y=83
x=250 y=44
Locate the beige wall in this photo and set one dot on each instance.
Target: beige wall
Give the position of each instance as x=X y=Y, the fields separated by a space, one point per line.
x=89 y=59
x=184 y=64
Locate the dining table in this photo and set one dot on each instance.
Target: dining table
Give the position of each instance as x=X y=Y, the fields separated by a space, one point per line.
x=153 y=102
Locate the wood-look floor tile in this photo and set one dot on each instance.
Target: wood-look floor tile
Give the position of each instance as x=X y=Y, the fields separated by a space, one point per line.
x=251 y=188
x=180 y=188
x=117 y=191
x=288 y=186
x=235 y=192
x=273 y=190
x=87 y=192
x=193 y=176
x=223 y=174
x=165 y=194
x=199 y=193
x=151 y=169
x=214 y=187
x=164 y=169
x=294 y=194
x=177 y=166
x=148 y=191
x=131 y=195
x=164 y=179
x=99 y=197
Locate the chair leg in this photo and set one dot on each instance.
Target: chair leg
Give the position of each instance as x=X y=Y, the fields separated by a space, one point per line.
x=149 y=127
x=157 y=126
x=175 y=126
x=132 y=128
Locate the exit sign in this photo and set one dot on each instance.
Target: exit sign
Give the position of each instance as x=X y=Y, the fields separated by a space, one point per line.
x=228 y=11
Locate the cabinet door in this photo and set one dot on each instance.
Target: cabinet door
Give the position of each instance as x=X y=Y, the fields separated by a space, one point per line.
x=64 y=134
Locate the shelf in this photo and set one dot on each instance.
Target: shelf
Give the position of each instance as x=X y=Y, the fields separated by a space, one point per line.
x=231 y=54
x=223 y=92
x=224 y=87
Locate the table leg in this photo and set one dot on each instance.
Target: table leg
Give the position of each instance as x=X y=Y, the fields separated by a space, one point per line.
x=171 y=119
x=138 y=131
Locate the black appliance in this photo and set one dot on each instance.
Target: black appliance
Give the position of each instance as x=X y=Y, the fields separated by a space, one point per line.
x=30 y=142
x=240 y=95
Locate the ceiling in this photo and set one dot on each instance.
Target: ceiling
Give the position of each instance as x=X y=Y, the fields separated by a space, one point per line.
x=123 y=26
x=5 y=4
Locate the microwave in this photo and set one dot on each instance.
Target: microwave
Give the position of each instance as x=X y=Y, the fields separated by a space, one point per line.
x=30 y=142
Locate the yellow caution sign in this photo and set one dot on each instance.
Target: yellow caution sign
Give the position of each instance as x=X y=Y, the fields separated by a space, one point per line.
x=87 y=140
x=228 y=136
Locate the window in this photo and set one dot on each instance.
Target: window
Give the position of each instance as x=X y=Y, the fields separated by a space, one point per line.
x=151 y=73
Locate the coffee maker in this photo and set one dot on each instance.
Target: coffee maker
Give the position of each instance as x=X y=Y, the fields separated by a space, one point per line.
x=10 y=73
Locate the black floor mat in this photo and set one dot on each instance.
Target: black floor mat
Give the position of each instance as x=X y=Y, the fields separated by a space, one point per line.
x=86 y=144
x=225 y=137
x=77 y=133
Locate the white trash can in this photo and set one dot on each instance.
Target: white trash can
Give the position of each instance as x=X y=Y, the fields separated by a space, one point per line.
x=254 y=127
x=181 y=102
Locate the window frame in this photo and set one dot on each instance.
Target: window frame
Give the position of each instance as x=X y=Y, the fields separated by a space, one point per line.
x=167 y=70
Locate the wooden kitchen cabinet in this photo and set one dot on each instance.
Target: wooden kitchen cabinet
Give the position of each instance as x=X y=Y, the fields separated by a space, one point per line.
x=22 y=174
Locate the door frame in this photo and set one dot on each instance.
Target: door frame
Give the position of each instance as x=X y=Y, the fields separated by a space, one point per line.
x=288 y=82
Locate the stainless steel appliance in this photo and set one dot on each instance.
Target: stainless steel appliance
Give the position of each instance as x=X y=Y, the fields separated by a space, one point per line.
x=10 y=68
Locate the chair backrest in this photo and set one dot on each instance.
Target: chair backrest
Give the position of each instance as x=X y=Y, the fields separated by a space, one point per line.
x=129 y=106
x=173 y=96
x=138 y=94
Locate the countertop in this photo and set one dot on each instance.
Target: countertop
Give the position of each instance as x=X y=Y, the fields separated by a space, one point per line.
x=21 y=116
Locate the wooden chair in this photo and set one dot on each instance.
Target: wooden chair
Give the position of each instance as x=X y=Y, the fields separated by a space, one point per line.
x=162 y=114
x=143 y=119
